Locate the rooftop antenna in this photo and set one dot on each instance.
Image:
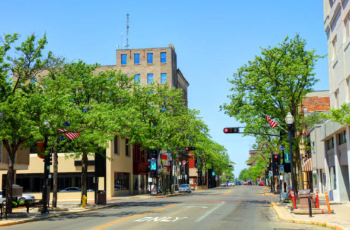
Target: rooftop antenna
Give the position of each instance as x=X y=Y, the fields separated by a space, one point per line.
x=127 y=31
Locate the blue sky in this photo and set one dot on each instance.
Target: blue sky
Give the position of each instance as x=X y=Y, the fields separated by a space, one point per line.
x=212 y=40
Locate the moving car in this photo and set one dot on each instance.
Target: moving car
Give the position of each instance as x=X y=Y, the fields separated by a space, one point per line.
x=238 y=183
x=223 y=184
x=231 y=183
x=261 y=183
x=71 y=189
x=185 y=188
x=250 y=183
x=245 y=183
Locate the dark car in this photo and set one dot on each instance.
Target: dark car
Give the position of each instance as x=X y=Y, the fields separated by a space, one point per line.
x=250 y=183
x=238 y=183
x=71 y=189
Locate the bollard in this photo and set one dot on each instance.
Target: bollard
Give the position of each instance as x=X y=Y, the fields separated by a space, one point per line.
x=317 y=200
x=84 y=201
x=293 y=198
x=310 y=209
x=327 y=201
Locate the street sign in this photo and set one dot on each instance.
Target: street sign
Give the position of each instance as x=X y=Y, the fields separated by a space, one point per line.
x=282 y=148
x=270 y=173
x=281 y=169
x=213 y=173
x=286 y=156
x=152 y=159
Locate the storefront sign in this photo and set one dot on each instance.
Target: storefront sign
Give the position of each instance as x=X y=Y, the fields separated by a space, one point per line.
x=286 y=156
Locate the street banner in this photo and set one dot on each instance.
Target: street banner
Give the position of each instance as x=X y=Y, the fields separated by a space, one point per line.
x=286 y=156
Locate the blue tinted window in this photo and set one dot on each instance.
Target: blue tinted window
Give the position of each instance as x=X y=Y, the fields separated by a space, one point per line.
x=123 y=59
x=150 y=58
x=150 y=78
x=163 y=78
x=137 y=78
x=136 y=58
x=163 y=57
x=33 y=80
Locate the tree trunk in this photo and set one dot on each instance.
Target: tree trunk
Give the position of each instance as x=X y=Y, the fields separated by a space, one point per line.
x=84 y=165
x=55 y=179
x=9 y=182
x=171 y=176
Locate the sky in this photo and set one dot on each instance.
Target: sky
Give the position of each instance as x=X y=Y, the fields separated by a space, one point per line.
x=212 y=40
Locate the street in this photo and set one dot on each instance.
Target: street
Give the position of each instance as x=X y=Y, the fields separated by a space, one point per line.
x=239 y=207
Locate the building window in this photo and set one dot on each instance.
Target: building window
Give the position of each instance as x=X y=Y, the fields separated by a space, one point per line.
x=127 y=150
x=137 y=78
x=150 y=78
x=123 y=59
x=116 y=152
x=313 y=147
x=347 y=27
x=330 y=144
x=150 y=58
x=342 y=138
x=121 y=181
x=336 y=97
x=136 y=58
x=333 y=178
x=163 y=57
x=334 y=43
x=163 y=78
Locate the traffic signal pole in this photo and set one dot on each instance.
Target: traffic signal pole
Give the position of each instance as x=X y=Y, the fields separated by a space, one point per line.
x=46 y=175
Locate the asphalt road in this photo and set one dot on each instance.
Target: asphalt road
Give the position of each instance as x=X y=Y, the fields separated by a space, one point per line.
x=240 y=207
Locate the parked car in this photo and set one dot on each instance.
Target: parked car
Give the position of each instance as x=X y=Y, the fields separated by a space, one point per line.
x=231 y=183
x=185 y=188
x=71 y=189
x=245 y=183
x=261 y=183
x=238 y=183
x=223 y=184
x=25 y=197
x=250 y=183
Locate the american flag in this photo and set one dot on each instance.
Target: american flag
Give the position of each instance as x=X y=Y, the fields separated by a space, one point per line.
x=272 y=123
x=70 y=135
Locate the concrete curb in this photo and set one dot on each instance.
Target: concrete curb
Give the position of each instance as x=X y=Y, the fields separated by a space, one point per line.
x=270 y=194
x=56 y=215
x=309 y=222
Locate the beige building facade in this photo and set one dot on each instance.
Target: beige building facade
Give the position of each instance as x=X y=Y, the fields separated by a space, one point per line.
x=127 y=169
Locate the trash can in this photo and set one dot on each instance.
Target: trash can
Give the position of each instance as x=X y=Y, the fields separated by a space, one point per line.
x=101 y=197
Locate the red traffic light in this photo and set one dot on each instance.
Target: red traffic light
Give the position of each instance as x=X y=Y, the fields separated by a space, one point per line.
x=275 y=156
x=231 y=130
x=229 y=166
x=190 y=148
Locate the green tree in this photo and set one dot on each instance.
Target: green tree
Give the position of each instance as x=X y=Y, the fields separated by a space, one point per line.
x=22 y=102
x=274 y=84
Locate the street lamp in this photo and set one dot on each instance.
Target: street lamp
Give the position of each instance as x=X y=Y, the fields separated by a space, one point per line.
x=290 y=120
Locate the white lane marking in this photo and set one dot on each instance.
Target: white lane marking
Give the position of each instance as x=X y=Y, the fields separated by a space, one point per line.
x=159 y=219
x=205 y=215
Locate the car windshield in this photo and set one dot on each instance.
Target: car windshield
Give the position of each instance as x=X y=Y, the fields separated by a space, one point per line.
x=184 y=186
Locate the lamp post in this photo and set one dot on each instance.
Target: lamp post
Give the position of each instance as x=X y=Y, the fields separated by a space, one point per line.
x=290 y=120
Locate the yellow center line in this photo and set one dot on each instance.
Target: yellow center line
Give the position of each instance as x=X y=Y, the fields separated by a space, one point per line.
x=131 y=217
x=227 y=192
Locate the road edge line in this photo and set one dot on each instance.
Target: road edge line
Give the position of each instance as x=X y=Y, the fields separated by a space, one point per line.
x=206 y=214
x=308 y=222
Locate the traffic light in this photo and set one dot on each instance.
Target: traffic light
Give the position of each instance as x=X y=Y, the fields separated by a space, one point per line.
x=49 y=157
x=190 y=148
x=229 y=166
x=153 y=153
x=276 y=162
x=231 y=130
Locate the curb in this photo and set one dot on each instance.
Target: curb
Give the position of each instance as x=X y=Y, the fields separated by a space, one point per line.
x=270 y=194
x=56 y=215
x=308 y=222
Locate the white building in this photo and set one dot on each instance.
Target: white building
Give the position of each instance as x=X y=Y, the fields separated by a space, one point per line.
x=334 y=136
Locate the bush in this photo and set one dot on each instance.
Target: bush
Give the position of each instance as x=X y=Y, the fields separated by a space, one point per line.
x=167 y=191
x=21 y=203
x=14 y=204
x=172 y=191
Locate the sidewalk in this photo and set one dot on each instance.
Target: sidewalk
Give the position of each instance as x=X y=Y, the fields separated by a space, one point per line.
x=20 y=215
x=340 y=219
